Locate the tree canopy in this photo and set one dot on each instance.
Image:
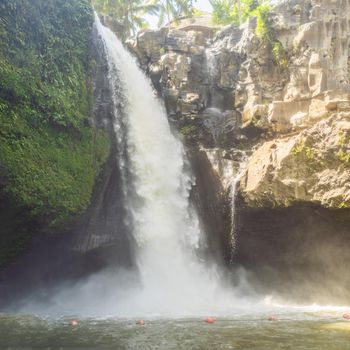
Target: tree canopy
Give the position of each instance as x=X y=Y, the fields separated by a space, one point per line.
x=131 y=13
x=234 y=11
x=172 y=10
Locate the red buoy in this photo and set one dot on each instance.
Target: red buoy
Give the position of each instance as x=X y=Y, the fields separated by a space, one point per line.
x=272 y=318
x=140 y=322
x=210 y=319
x=73 y=323
x=346 y=317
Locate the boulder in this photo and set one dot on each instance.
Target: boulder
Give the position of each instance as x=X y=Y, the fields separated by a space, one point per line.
x=311 y=167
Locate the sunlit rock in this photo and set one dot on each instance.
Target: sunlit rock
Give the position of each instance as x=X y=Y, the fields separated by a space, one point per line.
x=311 y=167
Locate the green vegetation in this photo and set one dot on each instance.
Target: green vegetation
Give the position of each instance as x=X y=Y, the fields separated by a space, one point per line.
x=238 y=11
x=131 y=13
x=49 y=155
x=344 y=156
x=302 y=149
x=233 y=11
x=263 y=25
x=188 y=130
x=343 y=143
x=343 y=205
x=279 y=54
x=265 y=31
x=172 y=10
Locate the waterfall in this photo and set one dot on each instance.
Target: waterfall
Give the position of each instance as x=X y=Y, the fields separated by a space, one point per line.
x=173 y=279
x=214 y=98
x=233 y=194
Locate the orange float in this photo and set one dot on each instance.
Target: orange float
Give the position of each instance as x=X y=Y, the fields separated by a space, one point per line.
x=210 y=319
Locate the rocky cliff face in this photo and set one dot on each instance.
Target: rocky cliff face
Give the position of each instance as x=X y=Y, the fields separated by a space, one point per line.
x=310 y=120
x=286 y=98
x=33 y=253
x=283 y=102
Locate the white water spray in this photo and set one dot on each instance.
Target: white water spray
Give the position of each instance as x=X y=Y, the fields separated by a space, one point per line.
x=174 y=282
x=171 y=281
x=165 y=228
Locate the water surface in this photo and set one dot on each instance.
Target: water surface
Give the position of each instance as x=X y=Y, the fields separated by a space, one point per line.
x=295 y=331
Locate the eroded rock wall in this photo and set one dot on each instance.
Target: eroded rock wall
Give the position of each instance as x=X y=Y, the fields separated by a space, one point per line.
x=236 y=91
x=284 y=103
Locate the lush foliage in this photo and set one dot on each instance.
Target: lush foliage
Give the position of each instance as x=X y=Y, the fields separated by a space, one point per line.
x=237 y=11
x=343 y=141
x=265 y=30
x=49 y=155
x=234 y=11
x=172 y=10
x=302 y=149
x=131 y=13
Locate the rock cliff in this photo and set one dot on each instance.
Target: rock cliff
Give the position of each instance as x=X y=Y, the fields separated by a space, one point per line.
x=278 y=104
x=284 y=99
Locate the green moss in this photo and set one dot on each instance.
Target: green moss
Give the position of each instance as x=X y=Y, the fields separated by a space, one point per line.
x=266 y=32
x=51 y=171
x=50 y=156
x=228 y=12
x=344 y=156
x=263 y=26
x=302 y=149
x=188 y=130
x=279 y=54
x=343 y=141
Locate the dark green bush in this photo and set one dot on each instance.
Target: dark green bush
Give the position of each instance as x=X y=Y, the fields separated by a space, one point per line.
x=50 y=156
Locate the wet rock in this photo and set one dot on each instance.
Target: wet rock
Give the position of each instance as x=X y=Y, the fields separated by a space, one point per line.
x=113 y=24
x=148 y=46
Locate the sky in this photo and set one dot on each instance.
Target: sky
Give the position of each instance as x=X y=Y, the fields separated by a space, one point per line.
x=203 y=5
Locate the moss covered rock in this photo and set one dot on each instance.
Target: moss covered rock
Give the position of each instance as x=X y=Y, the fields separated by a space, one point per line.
x=50 y=152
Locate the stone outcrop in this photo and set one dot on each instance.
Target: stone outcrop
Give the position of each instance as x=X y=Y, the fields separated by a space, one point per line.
x=286 y=97
x=196 y=85
x=310 y=167
x=318 y=66
x=113 y=24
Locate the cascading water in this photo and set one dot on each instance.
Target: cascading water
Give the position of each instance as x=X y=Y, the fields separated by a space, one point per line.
x=214 y=121
x=173 y=280
x=233 y=194
x=214 y=98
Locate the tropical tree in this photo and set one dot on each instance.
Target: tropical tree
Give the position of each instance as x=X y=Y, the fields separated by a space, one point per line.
x=172 y=10
x=233 y=11
x=224 y=12
x=130 y=13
